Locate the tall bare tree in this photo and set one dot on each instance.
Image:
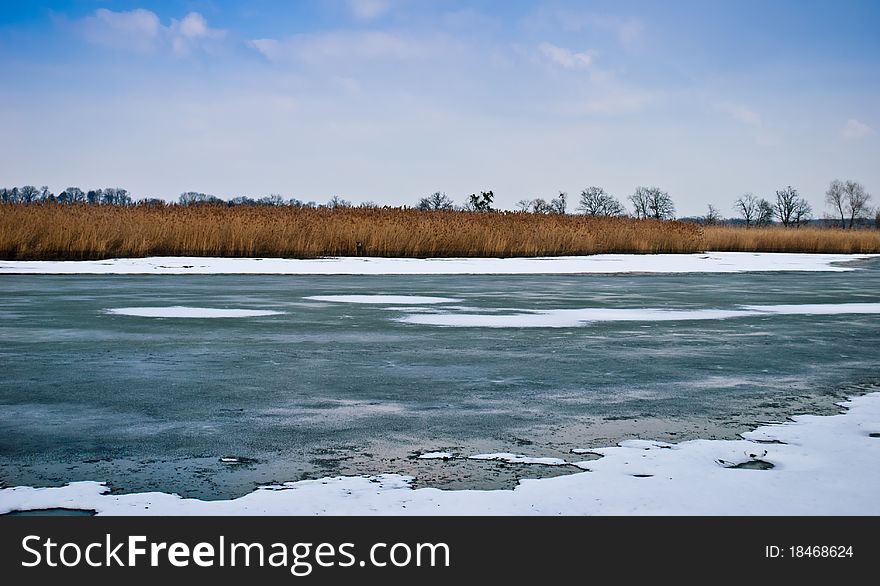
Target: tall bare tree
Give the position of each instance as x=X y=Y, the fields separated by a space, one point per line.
x=849 y=201
x=595 y=201
x=748 y=207
x=652 y=202
x=791 y=208
x=713 y=216
x=436 y=201
x=765 y=213
x=28 y=194
x=803 y=212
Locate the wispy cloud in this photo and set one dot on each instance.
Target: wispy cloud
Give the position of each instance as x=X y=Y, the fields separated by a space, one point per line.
x=368 y=9
x=741 y=112
x=136 y=30
x=627 y=30
x=193 y=29
x=142 y=31
x=747 y=116
x=855 y=129
x=611 y=102
x=343 y=46
x=566 y=58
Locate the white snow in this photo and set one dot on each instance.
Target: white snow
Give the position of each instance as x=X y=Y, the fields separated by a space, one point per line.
x=519 y=459
x=816 y=308
x=436 y=456
x=565 y=318
x=711 y=262
x=383 y=299
x=826 y=465
x=190 y=312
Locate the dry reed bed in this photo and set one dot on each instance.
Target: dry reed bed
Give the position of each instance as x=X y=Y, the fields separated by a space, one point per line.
x=49 y=231
x=779 y=239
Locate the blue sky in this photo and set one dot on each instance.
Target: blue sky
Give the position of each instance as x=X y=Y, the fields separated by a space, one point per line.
x=389 y=100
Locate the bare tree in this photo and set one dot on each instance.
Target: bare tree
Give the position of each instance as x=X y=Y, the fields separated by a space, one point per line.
x=652 y=202
x=436 y=201
x=28 y=194
x=559 y=203
x=595 y=201
x=337 y=202
x=95 y=196
x=791 y=208
x=120 y=197
x=713 y=216
x=523 y=205
x=765 y=213
x=72 y=195
x=748 y=207
x=849 y=200
x=835 y=198
x=186 y=198
x=273 y=199
x=803 y=213
x=539 y=205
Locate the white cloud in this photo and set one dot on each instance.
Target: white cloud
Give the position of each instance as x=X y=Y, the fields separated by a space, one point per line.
x=627 y=30
x=142 y=31
x=341 y=46
x=854 y=129
x=741 y=112
x=368 y=9
x=746 y=115
x=138 y=30
x=612 y=102
x=193 y=29
x=565 y=57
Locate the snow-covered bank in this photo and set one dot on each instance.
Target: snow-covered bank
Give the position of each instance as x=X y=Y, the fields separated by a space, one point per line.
x=713 y=262
x=824 y=465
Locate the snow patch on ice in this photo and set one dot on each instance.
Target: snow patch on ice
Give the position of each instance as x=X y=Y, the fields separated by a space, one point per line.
x=383 y=299
x=436 y=456
x=566 y=318
x=190 y=312
x=519 y=459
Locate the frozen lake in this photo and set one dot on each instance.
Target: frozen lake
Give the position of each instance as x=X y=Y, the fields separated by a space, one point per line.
x=210 y=385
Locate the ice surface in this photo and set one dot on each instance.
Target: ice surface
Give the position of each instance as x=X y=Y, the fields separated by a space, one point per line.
x=825 y=465
x=711 y=262
x=190 y=312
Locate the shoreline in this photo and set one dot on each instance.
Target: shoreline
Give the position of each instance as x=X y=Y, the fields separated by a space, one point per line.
x=809 y=465
x=672 y=263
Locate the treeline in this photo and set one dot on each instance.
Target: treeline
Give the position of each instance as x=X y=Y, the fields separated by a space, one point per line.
x=72 y=195
x=848 y=204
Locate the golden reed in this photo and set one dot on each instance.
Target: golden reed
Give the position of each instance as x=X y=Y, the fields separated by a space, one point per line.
x=80 y=232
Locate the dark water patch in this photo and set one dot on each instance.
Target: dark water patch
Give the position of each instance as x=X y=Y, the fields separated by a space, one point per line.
x=755 y=464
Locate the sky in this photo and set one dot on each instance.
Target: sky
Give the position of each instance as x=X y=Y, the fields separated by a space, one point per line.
x=391 y=100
